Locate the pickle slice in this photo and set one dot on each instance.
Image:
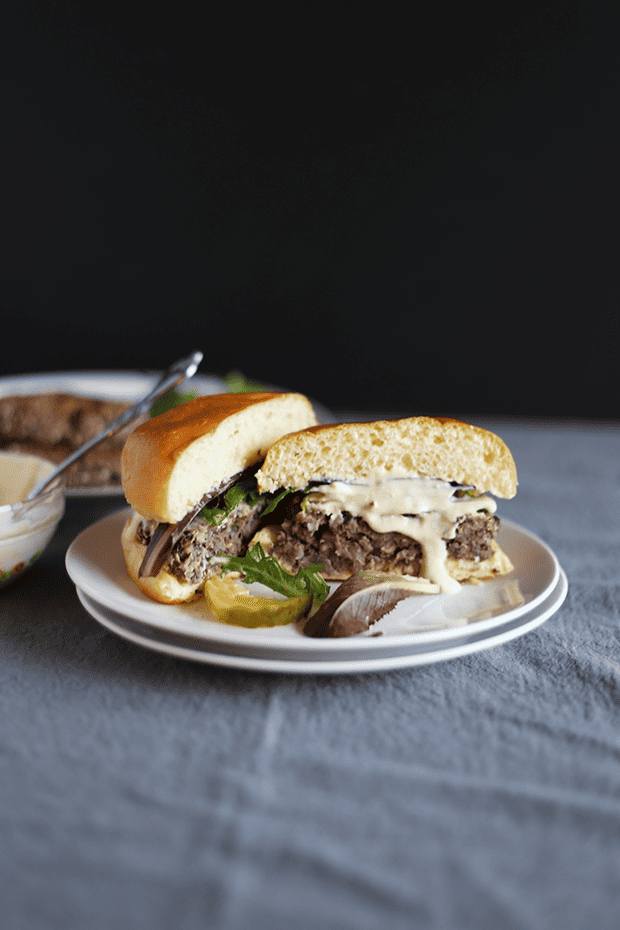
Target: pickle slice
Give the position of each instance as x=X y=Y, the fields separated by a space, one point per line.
x=231 y=603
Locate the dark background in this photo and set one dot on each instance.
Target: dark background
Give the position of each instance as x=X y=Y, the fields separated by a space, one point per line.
x=409 y=207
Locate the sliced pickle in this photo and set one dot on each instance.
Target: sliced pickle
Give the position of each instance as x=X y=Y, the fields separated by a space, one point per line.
x=231 y=603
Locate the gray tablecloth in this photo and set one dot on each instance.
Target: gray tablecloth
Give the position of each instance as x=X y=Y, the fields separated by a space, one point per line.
x=142 y=791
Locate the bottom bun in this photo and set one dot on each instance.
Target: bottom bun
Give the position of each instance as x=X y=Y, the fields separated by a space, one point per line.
x=164 y=587
x=468 y=570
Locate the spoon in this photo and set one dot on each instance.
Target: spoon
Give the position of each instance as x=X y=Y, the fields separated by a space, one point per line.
x=184 y=368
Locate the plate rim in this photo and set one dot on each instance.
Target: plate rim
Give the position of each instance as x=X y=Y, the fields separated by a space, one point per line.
x=402 y=659
x=92 y=374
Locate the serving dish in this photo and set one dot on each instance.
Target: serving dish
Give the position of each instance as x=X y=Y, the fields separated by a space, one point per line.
x=124 y=386
x=419 y=631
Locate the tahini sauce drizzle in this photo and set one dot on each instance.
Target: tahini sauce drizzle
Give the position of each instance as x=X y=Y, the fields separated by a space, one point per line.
x=425 y=509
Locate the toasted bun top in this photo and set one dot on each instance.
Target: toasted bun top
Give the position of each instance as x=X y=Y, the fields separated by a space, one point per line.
x=369 y=452
x=170 y=462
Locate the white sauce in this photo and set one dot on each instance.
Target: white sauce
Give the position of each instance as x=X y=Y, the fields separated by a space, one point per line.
x=19 y=474
x=25 y=527
x=424 y=509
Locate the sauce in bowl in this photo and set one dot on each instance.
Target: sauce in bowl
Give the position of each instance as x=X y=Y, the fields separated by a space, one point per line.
x=26 y=527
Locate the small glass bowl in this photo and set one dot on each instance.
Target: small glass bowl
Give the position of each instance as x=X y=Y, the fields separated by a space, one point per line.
x=26 y=527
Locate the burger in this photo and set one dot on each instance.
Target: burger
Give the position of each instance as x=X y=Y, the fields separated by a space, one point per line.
x=189 y=476
x=411 y=496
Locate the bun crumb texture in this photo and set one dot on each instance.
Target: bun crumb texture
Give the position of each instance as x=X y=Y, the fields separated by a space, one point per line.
x=416 y=446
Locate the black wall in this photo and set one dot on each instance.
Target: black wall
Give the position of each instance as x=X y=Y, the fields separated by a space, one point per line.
x=418 y=216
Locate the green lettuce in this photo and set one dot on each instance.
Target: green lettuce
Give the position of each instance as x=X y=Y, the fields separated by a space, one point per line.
x=256 y=566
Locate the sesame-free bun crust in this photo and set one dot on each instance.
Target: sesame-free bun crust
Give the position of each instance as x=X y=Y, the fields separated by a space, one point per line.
x=170 y=462
x=367 y=452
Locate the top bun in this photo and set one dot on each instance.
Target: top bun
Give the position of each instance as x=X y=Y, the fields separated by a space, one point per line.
x=434 y=447
x=170 y=462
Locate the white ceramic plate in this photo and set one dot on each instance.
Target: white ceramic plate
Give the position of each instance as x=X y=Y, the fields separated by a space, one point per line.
x=109 y=385
x=419 y=631
x=124 y=386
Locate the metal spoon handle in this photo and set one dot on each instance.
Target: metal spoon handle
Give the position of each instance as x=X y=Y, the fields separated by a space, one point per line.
x=184 y=368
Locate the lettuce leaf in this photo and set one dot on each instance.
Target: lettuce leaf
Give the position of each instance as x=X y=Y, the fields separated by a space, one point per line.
x=235 y=496
x=216 y=515
x=255 y=565
x=272 y=504
x=237 y=383
x=169 y=400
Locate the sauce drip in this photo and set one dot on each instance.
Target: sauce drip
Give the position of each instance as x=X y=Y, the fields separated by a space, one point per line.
x=425 y=509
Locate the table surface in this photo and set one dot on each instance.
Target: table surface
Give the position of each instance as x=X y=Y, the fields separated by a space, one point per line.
x=142 y=791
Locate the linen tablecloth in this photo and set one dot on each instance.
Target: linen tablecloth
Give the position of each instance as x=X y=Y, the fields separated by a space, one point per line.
x=142 y=791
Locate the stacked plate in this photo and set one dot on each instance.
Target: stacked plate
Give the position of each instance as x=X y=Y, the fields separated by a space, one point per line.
x=420 y=630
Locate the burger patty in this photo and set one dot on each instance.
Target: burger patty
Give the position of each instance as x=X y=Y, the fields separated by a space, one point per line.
x=196 y=554
x=345 y=544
